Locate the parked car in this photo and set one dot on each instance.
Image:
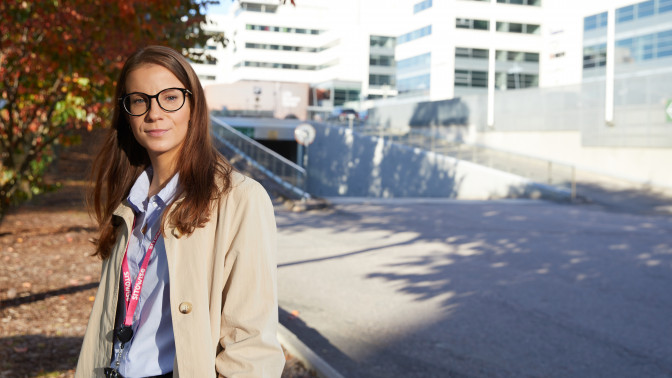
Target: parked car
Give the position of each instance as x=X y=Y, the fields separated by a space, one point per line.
x=341 y=114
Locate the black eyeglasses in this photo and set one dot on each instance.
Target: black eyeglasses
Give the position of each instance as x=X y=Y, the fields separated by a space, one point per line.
x=169 y=99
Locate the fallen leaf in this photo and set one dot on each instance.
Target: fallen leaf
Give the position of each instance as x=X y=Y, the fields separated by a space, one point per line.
x=27 y=285
x=20 y=349
x=92 y=298
x=69 y=239
x=61 y=297
x=19 y=240
x=294 y=314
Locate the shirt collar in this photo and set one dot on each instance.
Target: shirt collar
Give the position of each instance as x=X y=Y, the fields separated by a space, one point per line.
x=137 y=197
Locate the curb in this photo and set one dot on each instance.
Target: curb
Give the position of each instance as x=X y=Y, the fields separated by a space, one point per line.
x=304 y=354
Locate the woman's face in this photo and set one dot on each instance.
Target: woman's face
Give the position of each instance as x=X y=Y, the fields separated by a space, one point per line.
x=160 y=132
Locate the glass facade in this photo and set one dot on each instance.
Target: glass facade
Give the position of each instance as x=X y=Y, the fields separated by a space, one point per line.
x=413 y=74
x=629 y=13
x=419 y=7
x=414 y=63
x=415 y=34
x=644 y=47
x=413 y=84
x=629 y=50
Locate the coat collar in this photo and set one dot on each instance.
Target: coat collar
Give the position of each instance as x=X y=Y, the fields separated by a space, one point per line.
x=125 y=212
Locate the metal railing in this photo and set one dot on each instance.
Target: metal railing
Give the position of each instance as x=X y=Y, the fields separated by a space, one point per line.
x=540 y=170
x=279 y=169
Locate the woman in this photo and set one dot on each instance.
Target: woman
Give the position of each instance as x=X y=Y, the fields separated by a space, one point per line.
x=188 y=283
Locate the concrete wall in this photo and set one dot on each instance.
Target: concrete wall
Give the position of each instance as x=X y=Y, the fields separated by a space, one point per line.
x=645 y=165
x=345 y=163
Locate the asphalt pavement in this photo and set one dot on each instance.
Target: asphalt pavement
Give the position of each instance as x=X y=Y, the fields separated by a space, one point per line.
x=447 y=288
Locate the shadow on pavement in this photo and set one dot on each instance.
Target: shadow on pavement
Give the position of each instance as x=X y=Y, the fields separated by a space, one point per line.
x=523 y=290
x=38 y=355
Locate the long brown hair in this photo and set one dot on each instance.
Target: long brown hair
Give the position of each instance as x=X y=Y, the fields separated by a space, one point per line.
x=204 y=172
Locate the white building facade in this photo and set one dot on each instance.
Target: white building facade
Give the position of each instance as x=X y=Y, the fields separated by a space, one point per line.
x=344 y=49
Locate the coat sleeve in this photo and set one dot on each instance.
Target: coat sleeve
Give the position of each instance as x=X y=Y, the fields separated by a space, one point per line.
x=248 y=339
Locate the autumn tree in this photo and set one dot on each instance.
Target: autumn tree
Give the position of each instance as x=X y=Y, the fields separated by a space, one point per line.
x=58 y=63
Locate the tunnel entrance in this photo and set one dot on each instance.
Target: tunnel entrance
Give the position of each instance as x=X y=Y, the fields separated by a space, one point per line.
x=286 y=148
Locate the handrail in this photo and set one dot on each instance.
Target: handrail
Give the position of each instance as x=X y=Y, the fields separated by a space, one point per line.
x=281 y=170
x=482 y=155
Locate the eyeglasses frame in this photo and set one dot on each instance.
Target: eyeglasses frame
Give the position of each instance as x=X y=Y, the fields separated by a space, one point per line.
x=184 y=91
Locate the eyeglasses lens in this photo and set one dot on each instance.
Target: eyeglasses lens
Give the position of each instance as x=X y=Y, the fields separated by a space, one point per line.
x=169 y=100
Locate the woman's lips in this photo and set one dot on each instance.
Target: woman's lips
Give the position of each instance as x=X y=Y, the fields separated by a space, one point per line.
x=156 y=132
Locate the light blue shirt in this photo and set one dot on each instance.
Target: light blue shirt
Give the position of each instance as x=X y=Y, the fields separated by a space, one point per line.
x=151 y=351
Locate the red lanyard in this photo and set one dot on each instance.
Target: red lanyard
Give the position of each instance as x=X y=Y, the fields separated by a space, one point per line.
x=131 y=299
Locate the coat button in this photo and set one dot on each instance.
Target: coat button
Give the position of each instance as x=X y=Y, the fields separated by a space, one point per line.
x=185 y=307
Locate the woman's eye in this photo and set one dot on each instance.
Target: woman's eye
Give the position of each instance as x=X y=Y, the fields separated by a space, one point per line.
x=171 y=98
x=138 y=101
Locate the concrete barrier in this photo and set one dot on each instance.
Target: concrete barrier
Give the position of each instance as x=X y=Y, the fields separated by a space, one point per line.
x=342 y=162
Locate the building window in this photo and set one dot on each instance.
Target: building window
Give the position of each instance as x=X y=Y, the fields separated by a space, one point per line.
x=664 y=44
x=596 y=21
x=419 y=7
x=595 y=56
x=536 y=3
x=281 y=29
x=513 y=27
x=414 y=63
x=625 y=14
x=263 y=46
x=642 y=10
x=645 y=9
x=642 y=48
x=382 y=41
x=664 y=6
x=375 y=79
x=467 y=23
x=285 y=66
x=473 y=79
x=517 y=56
x=467 y=52
x=507 y=80
x=415 y=34
x=341 y=96
x=381 y=60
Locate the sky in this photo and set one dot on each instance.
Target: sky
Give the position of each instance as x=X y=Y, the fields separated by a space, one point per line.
x=222 y=8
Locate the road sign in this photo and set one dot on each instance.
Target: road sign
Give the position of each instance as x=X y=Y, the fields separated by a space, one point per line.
x=668 y=110
x=304 y=134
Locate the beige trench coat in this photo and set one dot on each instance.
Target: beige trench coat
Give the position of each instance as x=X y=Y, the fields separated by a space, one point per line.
x=223 y=292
